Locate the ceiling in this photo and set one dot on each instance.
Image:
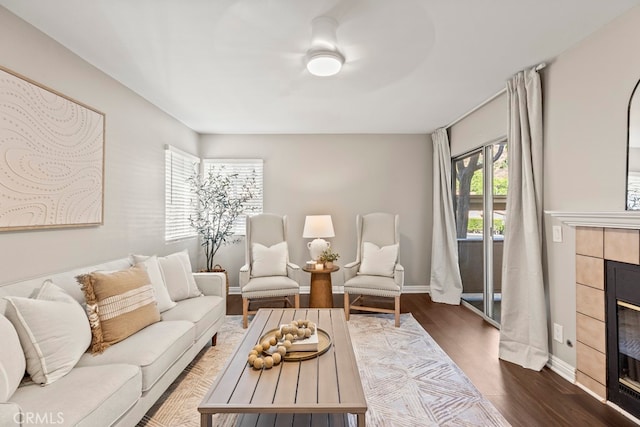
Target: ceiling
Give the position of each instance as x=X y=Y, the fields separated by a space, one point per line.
x=237 y=66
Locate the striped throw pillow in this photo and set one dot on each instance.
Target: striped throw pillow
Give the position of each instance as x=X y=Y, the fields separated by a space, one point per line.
x=119 y=304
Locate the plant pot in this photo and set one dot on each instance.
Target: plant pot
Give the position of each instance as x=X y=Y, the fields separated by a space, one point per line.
x=328 y=265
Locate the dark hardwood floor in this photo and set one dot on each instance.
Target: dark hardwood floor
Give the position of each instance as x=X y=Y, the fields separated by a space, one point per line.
x=525 y=398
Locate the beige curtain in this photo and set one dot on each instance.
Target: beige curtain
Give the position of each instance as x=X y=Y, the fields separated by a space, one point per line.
x=446 y=284
x=523 y=333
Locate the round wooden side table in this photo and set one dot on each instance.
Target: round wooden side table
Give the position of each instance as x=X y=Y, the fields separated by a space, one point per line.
x=321 y=294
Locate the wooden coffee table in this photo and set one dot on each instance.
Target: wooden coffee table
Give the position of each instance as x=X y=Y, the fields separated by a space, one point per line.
x=318 y=391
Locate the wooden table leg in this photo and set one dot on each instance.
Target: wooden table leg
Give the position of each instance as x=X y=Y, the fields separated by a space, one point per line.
x=206 y=420
x=361 y=420
x=321 y=294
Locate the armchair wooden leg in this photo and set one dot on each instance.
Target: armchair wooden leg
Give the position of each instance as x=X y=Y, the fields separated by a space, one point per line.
x=214 y=340
x=397 y=310
x=245 y=312
x=347 y=305
x=296 y=300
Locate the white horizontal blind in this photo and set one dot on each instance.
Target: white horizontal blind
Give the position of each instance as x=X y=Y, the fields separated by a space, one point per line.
x=178 y=199
x=244 y=168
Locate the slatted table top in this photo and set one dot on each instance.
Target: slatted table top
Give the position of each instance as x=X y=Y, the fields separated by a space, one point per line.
x=326 y=387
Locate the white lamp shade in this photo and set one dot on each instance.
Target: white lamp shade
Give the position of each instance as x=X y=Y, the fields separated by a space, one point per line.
x=316 y=226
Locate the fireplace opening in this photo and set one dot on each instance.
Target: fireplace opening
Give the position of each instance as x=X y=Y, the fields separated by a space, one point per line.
x=623 y=335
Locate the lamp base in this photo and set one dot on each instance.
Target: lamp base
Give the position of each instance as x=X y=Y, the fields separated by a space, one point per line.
x=316 y=247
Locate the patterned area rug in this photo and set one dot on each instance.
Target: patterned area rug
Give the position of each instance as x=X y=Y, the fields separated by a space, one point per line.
x=408 y=379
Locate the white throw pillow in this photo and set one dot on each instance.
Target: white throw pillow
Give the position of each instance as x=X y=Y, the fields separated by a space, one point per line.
x=269 y=261
x=12 y=363
x=378 y=261
x=53 y=330
x=157 y=281
x=177 y=275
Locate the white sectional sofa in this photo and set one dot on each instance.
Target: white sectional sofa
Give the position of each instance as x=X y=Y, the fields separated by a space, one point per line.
x=118 y=386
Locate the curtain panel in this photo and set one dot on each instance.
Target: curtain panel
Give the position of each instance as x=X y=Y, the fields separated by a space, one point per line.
x=523 y=333
x=446 y=283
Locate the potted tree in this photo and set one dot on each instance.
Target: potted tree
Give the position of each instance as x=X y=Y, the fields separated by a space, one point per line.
x=219 y=202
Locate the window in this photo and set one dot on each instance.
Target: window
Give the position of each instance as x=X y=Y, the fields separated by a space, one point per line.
x=243 y=168
x=178 y=207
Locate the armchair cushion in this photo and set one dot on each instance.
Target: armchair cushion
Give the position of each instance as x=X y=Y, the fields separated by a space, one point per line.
x=265 y=287
x=378 y=261
x=373 y=285
x=269 y=261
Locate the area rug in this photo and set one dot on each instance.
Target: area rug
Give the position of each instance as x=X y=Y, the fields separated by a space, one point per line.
x=408 y=380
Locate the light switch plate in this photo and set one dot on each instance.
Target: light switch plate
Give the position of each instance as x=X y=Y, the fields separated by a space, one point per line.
x=557 y=233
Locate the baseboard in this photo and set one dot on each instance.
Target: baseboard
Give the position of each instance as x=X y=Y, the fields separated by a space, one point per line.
x=562 y=368
x=416 y=289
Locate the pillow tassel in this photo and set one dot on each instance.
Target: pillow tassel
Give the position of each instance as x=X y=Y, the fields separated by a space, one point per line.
x=97 y=342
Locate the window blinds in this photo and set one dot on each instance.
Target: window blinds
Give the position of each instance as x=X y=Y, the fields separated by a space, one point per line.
x=178 y=200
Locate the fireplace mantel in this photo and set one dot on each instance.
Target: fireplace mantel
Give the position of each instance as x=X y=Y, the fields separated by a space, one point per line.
x=621 y=219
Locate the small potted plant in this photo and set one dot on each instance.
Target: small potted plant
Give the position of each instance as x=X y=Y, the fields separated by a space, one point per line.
x=328 y=257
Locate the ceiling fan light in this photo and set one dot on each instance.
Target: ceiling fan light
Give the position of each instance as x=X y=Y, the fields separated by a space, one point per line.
x=324 y=63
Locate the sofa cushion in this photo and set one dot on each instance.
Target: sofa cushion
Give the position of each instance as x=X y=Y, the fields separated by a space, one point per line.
x=53 y=330
x=157 y=281
x=12 y=363
x=177 y=274
x=269 y=261
x=203 y=311
x=119 y=304
x=88 y=396
x=154 y=349
x=378 y=261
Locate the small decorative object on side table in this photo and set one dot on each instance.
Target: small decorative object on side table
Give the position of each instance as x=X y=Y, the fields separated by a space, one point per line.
x=321 y=294
x=328 y=257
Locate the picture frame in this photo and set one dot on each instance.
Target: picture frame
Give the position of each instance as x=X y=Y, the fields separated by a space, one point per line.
x=52 y=151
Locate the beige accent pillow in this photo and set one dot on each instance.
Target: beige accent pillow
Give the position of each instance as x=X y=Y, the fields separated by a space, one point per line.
x=12 y=363
x=159 y=287
x=119 y=304
x=178 y=276
x=378 y=261
x=53 y=330
x=269 y=261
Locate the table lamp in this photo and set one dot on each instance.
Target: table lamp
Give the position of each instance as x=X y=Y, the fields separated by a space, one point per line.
x=316 y=227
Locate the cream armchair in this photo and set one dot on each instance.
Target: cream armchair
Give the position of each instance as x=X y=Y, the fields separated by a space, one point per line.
x=267 y=272
x=376 y=270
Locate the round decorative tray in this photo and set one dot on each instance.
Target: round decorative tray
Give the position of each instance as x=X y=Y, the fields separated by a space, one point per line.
x=324 y=343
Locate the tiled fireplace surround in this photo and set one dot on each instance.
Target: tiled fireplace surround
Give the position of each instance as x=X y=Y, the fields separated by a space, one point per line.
x=594 y=245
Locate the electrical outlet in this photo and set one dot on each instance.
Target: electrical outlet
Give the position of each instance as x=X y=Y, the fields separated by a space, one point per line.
x=557 y=332
x=557 y=233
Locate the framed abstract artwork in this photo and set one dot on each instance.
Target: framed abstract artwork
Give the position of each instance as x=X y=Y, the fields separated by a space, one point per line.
x=51 y=158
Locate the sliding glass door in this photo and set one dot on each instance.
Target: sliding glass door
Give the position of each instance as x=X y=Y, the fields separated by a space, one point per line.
x=480 y=180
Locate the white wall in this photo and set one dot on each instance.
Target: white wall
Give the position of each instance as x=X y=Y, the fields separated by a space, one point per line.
x=586 y=96
x=340 y=175
x=136 y=132
x=586 y=93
